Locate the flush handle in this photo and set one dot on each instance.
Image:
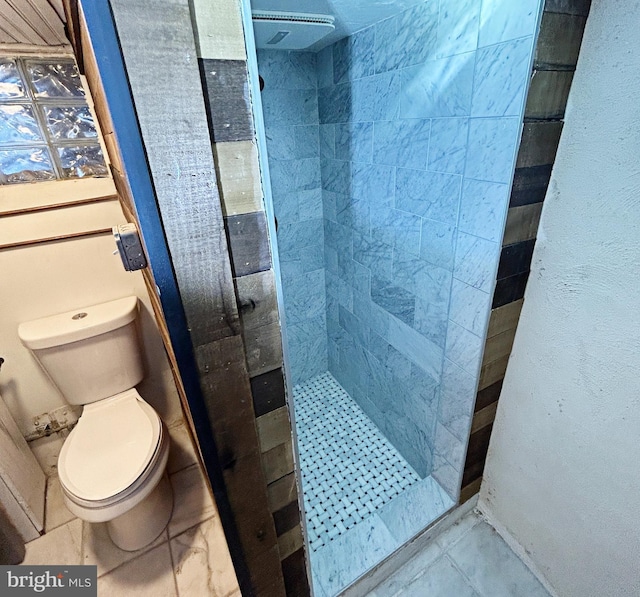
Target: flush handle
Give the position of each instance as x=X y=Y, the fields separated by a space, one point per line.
x=130 y=247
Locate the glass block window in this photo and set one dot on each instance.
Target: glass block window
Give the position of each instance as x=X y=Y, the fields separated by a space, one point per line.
x=46 y=128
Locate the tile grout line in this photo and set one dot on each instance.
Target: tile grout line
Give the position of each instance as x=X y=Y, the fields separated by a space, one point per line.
x=308 y=431
x=193 y=526
x=464 y=576
x=442 y=552
x=478 y=520
x=143 y=551
x=173 y=564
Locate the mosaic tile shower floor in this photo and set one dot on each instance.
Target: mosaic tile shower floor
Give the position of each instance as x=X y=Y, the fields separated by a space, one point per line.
x=349 y=468
x=362 y=500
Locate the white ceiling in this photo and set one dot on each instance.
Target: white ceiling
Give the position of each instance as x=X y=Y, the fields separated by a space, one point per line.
x=350 y=15
x=41 y=22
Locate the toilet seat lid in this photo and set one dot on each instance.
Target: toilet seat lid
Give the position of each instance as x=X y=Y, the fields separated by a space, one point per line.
x=110 y=447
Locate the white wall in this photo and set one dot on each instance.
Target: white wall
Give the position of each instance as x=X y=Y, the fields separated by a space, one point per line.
x=44 y=279
x=562 y=473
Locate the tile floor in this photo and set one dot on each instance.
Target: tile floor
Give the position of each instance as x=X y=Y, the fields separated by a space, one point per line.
x=362 y=499
x=468 y=559
x=190 y=557
x=349 y=468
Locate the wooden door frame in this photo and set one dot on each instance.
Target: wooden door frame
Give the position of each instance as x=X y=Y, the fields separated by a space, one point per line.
x=104 y=41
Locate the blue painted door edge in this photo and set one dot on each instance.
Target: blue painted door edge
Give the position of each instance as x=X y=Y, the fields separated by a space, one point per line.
x=106 y=47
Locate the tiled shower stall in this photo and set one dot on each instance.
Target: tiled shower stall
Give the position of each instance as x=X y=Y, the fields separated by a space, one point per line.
x=391 y=155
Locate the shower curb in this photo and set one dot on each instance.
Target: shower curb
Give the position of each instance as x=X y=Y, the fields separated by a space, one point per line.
x=369 y=581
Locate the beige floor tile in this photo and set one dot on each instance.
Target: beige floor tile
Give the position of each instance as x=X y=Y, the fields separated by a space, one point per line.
x=191 y=500
x=202 y=563
x=56 y=513
x=99 y=550
x=149 y=575
x=61 y=546
x=182 y=453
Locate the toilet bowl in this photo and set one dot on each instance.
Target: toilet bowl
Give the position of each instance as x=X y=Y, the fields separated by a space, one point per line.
x=111 y=462
x=112 y=467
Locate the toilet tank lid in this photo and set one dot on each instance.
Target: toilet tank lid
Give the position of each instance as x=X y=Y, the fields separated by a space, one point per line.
x=79 y=324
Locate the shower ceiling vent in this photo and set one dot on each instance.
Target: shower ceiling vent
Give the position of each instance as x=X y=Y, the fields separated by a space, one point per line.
x=289 y=30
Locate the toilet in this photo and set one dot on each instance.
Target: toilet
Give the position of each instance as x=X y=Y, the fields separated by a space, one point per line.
x=112 y=467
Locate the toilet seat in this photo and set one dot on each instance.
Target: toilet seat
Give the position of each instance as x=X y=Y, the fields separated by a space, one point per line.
x=111 y=451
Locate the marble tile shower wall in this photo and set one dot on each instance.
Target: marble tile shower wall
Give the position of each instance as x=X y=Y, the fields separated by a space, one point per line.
x=419 y=118
x=290 y=104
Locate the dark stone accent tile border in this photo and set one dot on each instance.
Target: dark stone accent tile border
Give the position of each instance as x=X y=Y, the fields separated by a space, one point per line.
x=268 y=392
x=488 y=396
x=249 y=243
x=509 y=289
x=478 y=446
x=473 y=472
x=559 y=41
x=515 y=259
x=548 y=94
x=570 y=7
x=286 y=518
x=530 y=185
x=539 y=143
x=226 y=88
x=295 y=575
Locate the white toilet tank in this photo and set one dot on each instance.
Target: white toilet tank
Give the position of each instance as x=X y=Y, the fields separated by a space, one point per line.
x=90 y=353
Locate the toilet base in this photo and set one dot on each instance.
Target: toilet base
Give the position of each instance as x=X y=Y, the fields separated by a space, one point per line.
x=144 y=523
